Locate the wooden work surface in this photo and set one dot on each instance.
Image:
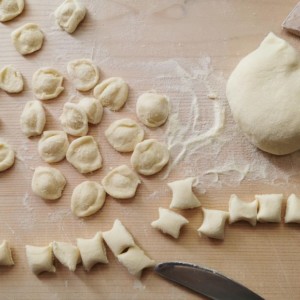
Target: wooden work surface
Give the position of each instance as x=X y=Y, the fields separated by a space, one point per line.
x=136 y=40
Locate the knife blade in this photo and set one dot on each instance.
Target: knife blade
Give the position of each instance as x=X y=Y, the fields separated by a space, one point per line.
x=205 y=281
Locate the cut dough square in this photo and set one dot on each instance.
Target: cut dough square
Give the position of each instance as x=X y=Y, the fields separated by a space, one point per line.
x=269 y=208
x=5 y=254
x=292 y=214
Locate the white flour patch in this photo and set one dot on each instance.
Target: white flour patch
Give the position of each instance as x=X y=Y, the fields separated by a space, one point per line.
x=138 y=285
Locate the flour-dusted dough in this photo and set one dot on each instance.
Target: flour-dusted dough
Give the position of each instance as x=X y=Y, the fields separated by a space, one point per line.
x=169 y=222
x=74 y=120
x=121 y=182
x=53 y=146
x=124 y=134
x=47 y=83
x=11 y=80
x=87 y=198
x=83 y=154
x=33 y=118
x=9 y=9
x=264 y=96
x=5 y=254
x=40 y=259
x=242 y=211
x=83 y=73
x=269 y=207
x=27 y=38
x=183 y=196
x=69 y=14
x=7 y=156
x=67 y=254
x=149 y=157
x=292 y=213
x=93 y=109
x=92 y=251
x=112 y=92
x=213 y=224
x=152 y=109
x=48 y=183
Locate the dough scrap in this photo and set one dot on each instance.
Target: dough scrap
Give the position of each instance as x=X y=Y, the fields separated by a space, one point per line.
x=292 y=213
x=83 y=74
x=269 y=208
x=74 y=120
x=7 y=156
x=40 y=259
x=88 y=197
x=83 y=154
x=69 y=14
x=33 y=118
x=169 y=222
x=112 y=92
x=9 y=9
x=121 y=182
x=242 y=211
x=11 y=80
x=92 y=108
x=152 y=109
x=28 y=38
x=53 y=146
x=92 y=251
x=124 y=134
x=5 y=254
x=48 y=183
x=149 y=157
x=213 y=224
x=183 y=196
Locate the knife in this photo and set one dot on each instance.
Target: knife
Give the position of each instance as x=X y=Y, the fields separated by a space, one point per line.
x=205 y=281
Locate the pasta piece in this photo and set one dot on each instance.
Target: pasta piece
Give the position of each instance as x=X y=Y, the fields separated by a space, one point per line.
x=7 y=156
x=5 y=254
x=169 y=222
x=9 y=9
x=269 y=208
x=292 y=214
x=92 y=108
x=11 y=80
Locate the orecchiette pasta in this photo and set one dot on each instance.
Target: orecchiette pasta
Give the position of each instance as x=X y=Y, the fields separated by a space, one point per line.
x=9 y=9
x=92 y=108
x=7 y=156
x=11 y=80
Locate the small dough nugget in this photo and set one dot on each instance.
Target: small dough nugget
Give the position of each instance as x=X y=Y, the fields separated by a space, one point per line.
x=27 y=38
x=149 y=157
x=33 y=118
x=5 y=254
x=11 y=80
x=48 y=183
x=9 y=9
x=121 y=182
x=269 y=208
x=87 y=198
x=292 y=214
x=84 y=155
x=7 y=156
x=124 y=134
x=169 y=222
x=92 y=108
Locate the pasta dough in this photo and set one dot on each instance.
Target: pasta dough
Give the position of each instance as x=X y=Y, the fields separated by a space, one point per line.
x=183 y=196
x=69 y=14
x=92 y=251
x=33 y=118
x=149 y=157
x=92 y=108
x=269 y=208
x=27 y=38
x=112 y=92
x=5 y=254
x=9 y=9
x=83 y=73
x=213 y=224
x=292 y=213
x=152 y=109
x=53 y=146
x=121 y=182
x=124 y=134
x=47 y=83
x=87 y=198
x=169 y=222
x=83 y=154
x=7 y=156
x=74 y=120
x=48 y=183
x=11 y=80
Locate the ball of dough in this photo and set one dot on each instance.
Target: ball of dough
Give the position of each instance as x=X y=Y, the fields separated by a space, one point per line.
x=53 y=146
x=48 y=183
x=9 y=9
x=7 y=156
x=152 y=109
x=149 y=157
x=11 y=80
x=27 y=38
x=112 y=92
x=83 y=73
x=93 y=109
x=124 y=134
x=264 y=96
x=87 y=198
x=121 y=182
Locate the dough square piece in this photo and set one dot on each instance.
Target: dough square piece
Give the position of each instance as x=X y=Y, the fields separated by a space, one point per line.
x=292 y=213
x=9 y=9
x=11 y=80
x=169 y=222
x=269 y=208
x=7 y=156
x=5 y=254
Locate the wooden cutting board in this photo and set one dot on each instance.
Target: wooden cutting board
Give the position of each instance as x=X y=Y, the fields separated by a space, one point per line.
x=138 y=40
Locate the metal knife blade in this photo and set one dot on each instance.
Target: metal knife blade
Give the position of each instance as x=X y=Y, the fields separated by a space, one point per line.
x=205 y=281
